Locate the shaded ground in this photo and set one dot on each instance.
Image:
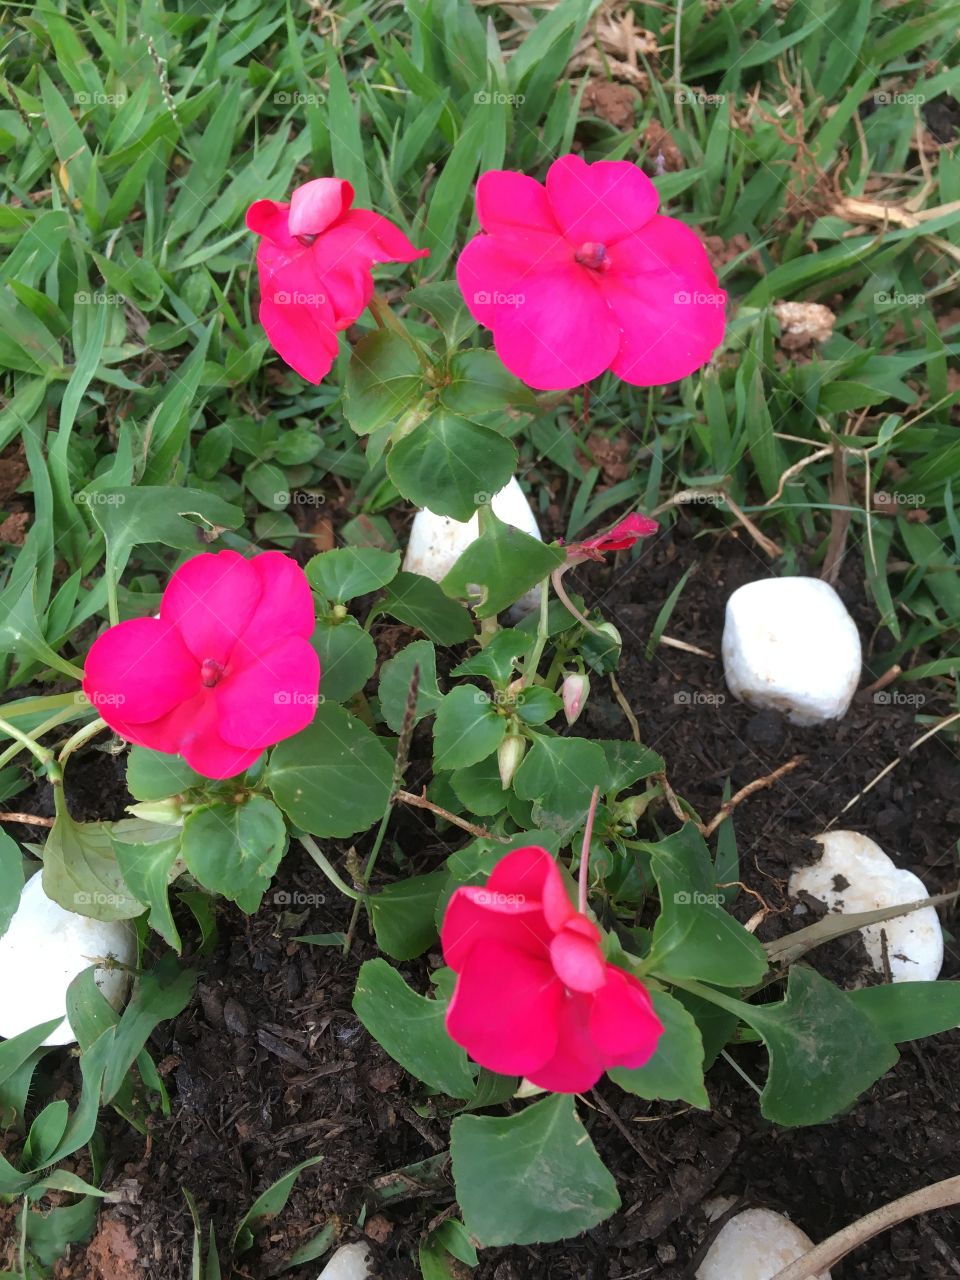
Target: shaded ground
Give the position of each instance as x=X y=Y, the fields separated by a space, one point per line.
x=270 y=1066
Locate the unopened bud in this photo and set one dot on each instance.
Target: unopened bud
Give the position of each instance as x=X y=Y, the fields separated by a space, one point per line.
x=509 y=754
x=169 y=812
x=575 y=691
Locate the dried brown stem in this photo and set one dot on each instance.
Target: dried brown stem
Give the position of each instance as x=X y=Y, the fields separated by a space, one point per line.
x=28 y=819
x=758 y=784
x=421 y=802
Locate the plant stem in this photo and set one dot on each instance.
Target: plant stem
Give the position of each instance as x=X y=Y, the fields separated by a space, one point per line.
x=12 y=752
x=386 y=319
x=79 y=738
x=585 y=851
x=41 y=754
x=326 y=867
x=543 y=635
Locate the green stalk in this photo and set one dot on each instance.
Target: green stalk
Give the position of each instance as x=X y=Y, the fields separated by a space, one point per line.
x=543 y=635
x=326 y=867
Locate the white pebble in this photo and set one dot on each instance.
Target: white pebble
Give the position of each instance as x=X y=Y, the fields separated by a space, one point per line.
x=789 y=645
x=854 y=874
x=437 y=542
x=755 y=1245
x=41 y=953
x=350 y=1262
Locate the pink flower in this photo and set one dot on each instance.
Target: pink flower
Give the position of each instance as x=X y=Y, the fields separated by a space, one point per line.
x=534 y=995
x=226 y=670
x=584 y=275
x=623 y=535
x=314 y=262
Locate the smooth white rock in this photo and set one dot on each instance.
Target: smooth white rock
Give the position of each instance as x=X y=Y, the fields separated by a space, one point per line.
x=42 y=952
x=350 y=1262
x=755 y=1245
x=789 y=645
x=873 y=880
x=437 y=542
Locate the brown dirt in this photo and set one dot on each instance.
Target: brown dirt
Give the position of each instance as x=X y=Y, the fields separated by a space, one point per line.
x=269 y=1065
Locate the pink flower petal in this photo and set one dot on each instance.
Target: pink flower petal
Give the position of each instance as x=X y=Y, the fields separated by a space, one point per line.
x=576 y=1064
x=623 y=1024
x=522 y=873
x=508 y=201
x=665 y=245
x=270 y=218
x=190 y=730
x=284 y=606
x=318 y=204
x=475 y=914
x=668 y=331
x=619 y=538
x=602 y=202
x=496 y=272
x=365 y=237
x=561 y=334
x=210 y=599
x=298 y=317
x=504 y=1009
x=272 y=696
x=138 y=670
x=577 y=961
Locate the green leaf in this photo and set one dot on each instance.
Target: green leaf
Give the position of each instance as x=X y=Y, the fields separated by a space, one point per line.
x=404 y=915
x=479 y=383
x=234 y=849
x=675 y=1072
x=395 y=677
x=450 y=466
x=384 y=378
x=627 y=763
x=161 y=994
x=479 y=787
x=693 y=936
x=910 y=1010
x=11 y=880
x=420 y=603
x=146 y=869
x=824 y=1050
x=351 y=571
x=348 y=657
x=411 y=1029
x=498 y=660
x=268 y=1205
x=537 y=704
x=504 y=563
x=467 y=728
x=154 y=775
x=530 y=1178
x=559 y=775
x=81 y=872
x=129 y=517
x=333 y=778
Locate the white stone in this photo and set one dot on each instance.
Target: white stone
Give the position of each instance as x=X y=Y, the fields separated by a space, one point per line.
x=789 y=645
x=854 y=874
x=755 y=1245
x=350 y=1262
x=41 y=953
x=437 y=542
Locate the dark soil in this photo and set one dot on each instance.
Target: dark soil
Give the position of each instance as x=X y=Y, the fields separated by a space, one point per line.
x=269 y=1065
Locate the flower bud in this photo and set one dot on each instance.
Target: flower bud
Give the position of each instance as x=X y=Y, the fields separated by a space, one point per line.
x=168 y=812
x=509 y=754
x=575 y=691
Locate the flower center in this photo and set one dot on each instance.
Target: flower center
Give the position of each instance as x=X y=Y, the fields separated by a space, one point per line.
x=307 y=241
x=210 y=672
x=593 y=255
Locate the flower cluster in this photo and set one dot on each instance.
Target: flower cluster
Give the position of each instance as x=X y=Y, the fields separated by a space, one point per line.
x=225 y=670
x=573 y=276
x=534 y=995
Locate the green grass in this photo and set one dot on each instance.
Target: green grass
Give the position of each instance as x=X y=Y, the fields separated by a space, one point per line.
x=134 y=137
